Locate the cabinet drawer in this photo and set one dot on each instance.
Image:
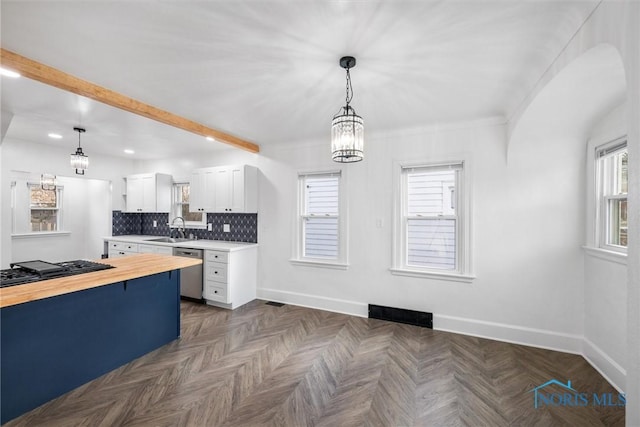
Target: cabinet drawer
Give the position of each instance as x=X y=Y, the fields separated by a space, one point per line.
x=113 y=253
x=146 y=249
x=216 y=271
x=217 y=256
x=123 y=246
x=215 y=292
x=164 y=250
x=154 y=249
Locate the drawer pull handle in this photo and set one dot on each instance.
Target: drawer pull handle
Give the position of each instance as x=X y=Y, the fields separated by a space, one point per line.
x=215 y=292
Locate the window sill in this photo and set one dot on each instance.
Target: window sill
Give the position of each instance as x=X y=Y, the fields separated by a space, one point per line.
x=321 y=264
x=612 y=256
x=40 y=234
x=452 y=277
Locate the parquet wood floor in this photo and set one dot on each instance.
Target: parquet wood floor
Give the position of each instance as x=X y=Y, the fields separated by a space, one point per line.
x=294 y=366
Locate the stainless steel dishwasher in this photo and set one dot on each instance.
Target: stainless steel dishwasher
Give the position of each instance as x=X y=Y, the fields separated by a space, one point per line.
x=190 y=277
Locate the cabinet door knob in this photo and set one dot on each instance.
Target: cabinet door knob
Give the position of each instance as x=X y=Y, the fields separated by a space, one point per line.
x=215 y=292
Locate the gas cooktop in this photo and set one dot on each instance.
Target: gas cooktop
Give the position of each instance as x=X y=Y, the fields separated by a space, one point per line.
x=34 y=271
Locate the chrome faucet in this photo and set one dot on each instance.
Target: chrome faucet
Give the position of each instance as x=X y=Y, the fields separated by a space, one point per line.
x=180 y=232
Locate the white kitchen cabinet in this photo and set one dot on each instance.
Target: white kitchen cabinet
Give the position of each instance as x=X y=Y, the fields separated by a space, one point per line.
x=119 y=249
x=237 y=189
x=149 y=192
x=154 y=249
x=225 y=189
x=230 y=277
x=202 y=190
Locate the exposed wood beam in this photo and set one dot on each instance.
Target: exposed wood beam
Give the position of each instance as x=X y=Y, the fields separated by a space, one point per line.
x=54 y=77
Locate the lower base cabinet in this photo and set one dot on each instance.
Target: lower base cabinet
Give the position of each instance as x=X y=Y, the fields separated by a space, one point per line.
x=53 y=345
x=155 y=249
x=230 y=277
x=119 y=249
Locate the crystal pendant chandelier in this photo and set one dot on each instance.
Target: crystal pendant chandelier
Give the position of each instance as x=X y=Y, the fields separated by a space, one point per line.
x=78 y=159
x=347 y=128
x=48 y=181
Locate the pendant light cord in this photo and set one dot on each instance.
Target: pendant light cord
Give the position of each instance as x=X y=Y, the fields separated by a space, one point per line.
x=349 y=96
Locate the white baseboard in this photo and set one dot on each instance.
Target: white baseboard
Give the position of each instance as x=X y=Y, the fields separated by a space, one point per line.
x=550 y=340
x=567 y=343
x=601 y=362
x=313 y=301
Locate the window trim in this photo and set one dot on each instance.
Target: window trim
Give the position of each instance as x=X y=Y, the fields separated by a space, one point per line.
x=463 y=272
x=175 y=209
x=601 y=221
x=297 y=258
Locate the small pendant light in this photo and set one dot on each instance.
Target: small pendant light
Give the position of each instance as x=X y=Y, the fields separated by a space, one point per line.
x=78 y=160
x=347 y=128
x=48 y=181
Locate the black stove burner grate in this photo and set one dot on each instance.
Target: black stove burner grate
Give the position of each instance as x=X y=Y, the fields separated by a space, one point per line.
x=19 y=275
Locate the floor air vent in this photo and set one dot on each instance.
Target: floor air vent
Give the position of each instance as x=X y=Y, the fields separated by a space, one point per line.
x=275 y=304
x=400 y=315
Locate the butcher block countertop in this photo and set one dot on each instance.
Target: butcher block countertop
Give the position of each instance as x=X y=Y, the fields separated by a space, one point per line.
x=126 y=268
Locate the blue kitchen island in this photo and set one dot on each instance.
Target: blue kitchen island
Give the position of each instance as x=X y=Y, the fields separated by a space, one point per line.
x=61 y=333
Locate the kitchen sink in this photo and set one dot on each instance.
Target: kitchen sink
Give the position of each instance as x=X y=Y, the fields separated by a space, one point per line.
x=168 y=240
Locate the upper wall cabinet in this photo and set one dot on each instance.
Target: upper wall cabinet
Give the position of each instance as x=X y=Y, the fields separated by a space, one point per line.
x=237 y=189
x=202 y=190
x=225 y=189
x=149 y=192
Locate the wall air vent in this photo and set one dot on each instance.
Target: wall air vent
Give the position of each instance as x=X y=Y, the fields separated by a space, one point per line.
x=400 y=315
x=275 y=304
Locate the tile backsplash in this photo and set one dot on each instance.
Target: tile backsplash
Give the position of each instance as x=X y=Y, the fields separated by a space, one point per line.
x=125 y=223
x=244 y=227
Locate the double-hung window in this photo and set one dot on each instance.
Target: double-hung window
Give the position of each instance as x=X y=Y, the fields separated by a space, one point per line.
x=181 y=193
x=431 y=226
x=45 y=208
x=321 y=223
x=612 y=176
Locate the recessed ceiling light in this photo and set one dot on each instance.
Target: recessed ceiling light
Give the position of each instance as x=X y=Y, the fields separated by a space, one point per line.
x=210 y=138
x=129 y=151
x=9 y=73
x=55 y=136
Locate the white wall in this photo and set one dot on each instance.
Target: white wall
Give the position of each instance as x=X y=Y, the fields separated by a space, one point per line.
x=94 y=207
x=616 y=23
x=86 y=216
x=180 y=167
x=631 y=46
x=527 y=260
x=605 y=287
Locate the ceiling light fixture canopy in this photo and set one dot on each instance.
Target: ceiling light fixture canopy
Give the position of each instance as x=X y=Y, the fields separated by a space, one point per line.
x=347 y=128
x=78 y=159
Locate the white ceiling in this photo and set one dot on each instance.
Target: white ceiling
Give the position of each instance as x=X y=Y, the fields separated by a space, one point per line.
x=267 y=71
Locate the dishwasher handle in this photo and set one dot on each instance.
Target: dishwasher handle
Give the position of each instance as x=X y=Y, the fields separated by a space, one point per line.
x=189 y=253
